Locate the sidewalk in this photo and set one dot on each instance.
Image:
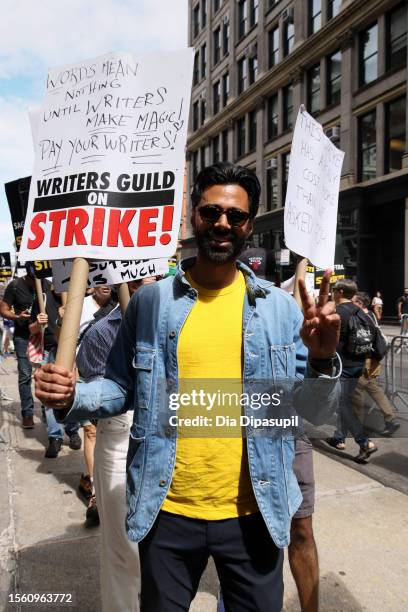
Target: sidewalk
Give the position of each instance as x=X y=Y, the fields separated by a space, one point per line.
x=361 y=529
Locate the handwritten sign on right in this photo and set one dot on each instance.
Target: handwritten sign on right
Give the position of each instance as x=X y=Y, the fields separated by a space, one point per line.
x=313 y=192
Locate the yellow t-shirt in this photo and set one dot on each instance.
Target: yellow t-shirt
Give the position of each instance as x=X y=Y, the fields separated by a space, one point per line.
x=211 y=478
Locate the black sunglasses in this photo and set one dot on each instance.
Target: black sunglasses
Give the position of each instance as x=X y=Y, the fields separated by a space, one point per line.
x=210 y=213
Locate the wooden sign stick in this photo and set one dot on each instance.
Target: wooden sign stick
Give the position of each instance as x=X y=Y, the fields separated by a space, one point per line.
x=299 y=274
x=70 y=323
x=40 y=297
x=64 y=297
x=124 y=296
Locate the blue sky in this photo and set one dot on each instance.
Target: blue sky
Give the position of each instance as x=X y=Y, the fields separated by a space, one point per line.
x=35 y=36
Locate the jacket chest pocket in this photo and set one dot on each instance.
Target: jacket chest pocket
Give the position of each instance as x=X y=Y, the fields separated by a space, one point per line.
x=143 y=366
x=283 y=360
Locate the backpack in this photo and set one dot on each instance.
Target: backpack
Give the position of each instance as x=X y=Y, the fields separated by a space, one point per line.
x=360 y=335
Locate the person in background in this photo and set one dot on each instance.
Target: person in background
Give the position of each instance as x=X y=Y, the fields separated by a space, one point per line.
x=402 y=309
x=353 y=365
x=16 y=307
x=96 y=306
x=302 y=550
x=48 y=321
x=368 y=380
x=120 y=571
x=377 y=305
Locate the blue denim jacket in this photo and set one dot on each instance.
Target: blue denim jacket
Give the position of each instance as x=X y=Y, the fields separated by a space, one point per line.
x=145 y=354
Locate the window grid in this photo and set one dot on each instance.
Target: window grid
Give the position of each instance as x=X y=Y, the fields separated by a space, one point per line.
x=224 y=138
x=313 y=87
x=315 y=16
x=242 y=75
x=216 y=97
x=369 y=55
x=273 y=47
x=397 y=37
x=217 y=45
x=333 y=8
x=395 y=134
x=242 y=18
x=225 y=88
x=252 y=130
x=289 y=37
x=225 y=37
x=334 y=78
x=240 y=134
x=272 y=187
x=368 y=147
x=203 y=60
x=288 y=107
x=273 y=116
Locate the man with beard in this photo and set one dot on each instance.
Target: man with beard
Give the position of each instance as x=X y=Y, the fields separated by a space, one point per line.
x=189 y=497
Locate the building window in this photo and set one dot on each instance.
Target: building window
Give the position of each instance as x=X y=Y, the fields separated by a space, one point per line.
x=217 y=45
x=253 y=65
x=285 y=173
x=203 y=111
x=194 y=158
x=216 y=5
x=216 y=97
x=272 y=3
x=252 y=131
x=215 y=149
x=203 y=13
x=240 y=136
x=271 y=184
x=242 y=18
x=288 y=107
x=202 y=158
x=273 y=47
x=225 y=88
x=289 y=37
x=196 y=20
x=333 y=8
x=272 y=116
x=203 y=60
x=242 y=75
x=253 y=18
x=195 y=116
x=315 y=16
x=313 y=89
x=196 y=70
x=369 y=55
x=225 y=37
x=395 y=113
x=397 y=37
x=334 y=78
x=224 y=144
x=368 y=148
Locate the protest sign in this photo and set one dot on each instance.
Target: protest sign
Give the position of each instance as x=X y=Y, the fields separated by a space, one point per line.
x=17 y=198
x=108 y=272
x=312 y=195
x=5 y=267
x=110 y=155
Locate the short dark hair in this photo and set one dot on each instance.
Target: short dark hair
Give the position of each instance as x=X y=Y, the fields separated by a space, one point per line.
x=348 y=287
x=364 y=298
x=226 y=173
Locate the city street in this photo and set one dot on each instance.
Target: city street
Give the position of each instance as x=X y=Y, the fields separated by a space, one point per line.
x=361 y=524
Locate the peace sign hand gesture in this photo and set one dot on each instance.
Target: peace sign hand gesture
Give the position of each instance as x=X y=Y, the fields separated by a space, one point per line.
x=321 y=326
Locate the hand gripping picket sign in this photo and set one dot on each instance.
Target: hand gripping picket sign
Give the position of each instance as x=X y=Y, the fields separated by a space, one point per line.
x=109 y=168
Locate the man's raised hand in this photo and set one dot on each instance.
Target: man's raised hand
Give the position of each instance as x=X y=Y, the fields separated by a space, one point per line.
x=54 y=386
x=321 y=325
